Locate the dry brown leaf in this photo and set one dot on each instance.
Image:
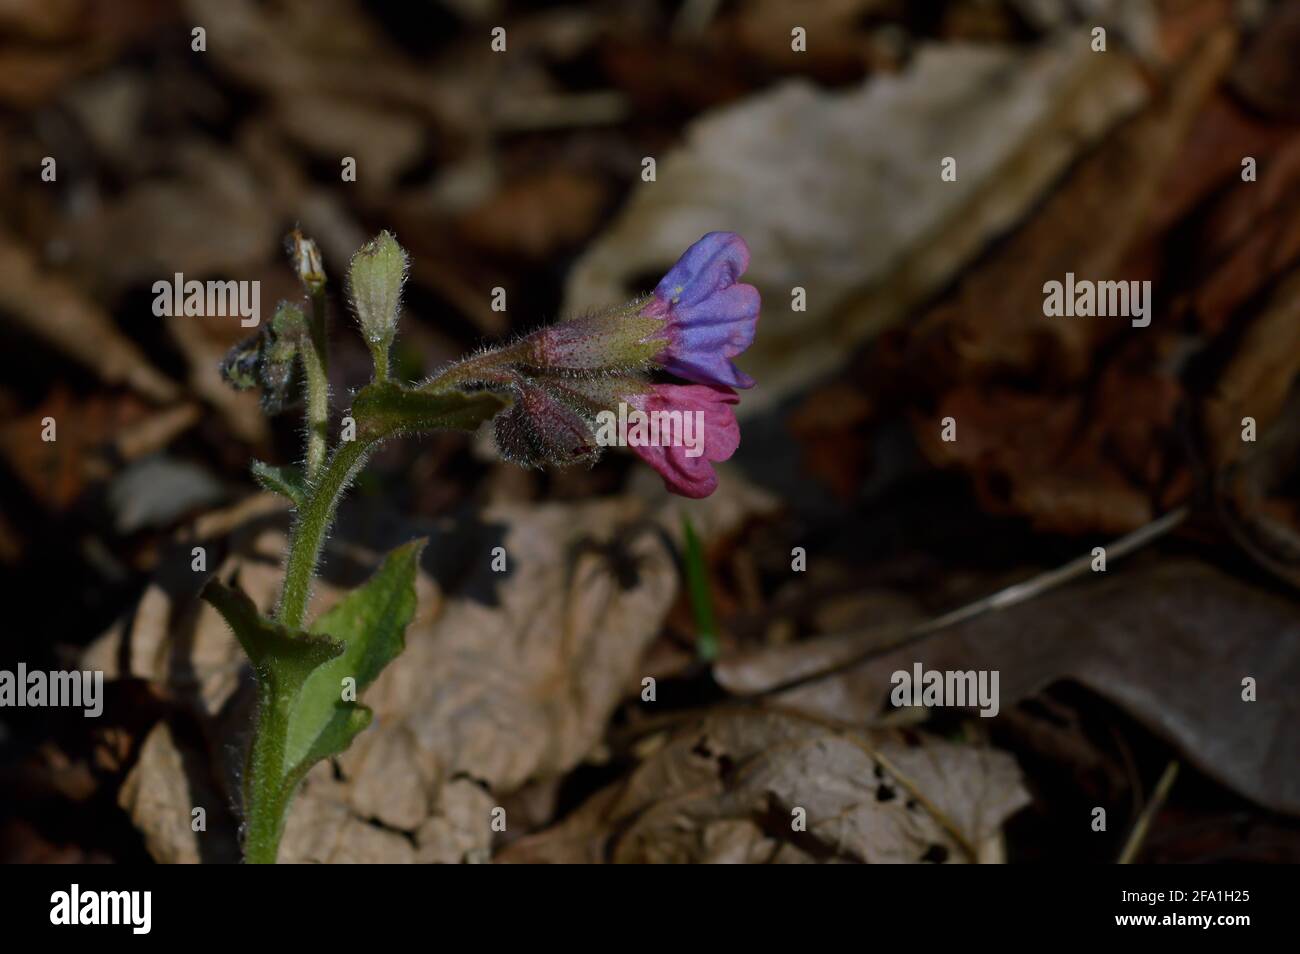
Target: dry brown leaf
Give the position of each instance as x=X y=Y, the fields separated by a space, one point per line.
x=506 y=677
x=861 y=221
x=1068 y=463
x=727 y=788
x=1250 y=238
x=56 y=472
x=214 y=218
x=1168 y=641
x=383 y=142
x=1268 y=75
x=1259 y=377
x=54 y=311
x=169 y=780
x=1256 y=490
x=537 y=216
x=994 y=323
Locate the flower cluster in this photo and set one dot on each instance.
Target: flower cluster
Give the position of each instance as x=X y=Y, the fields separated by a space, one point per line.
x=662 y=361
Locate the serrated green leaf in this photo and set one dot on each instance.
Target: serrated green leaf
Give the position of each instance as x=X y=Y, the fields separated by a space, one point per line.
x=370 y=622
x=387 y=408
x=287 y=480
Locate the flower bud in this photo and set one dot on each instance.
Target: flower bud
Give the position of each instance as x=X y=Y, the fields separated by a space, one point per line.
x=305 y=255
x=375 y=280
x=542 y=428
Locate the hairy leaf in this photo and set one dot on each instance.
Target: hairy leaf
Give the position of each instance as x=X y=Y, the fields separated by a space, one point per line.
x=287 y=480
x=281 y=657
x=370 y=622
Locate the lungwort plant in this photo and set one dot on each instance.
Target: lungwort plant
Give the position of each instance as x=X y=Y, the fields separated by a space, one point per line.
x=551 y=396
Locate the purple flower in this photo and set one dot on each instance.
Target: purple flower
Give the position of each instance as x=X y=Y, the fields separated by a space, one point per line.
x=709 y=317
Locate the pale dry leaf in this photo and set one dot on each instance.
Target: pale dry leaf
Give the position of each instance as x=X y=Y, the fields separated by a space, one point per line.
x=213 y=219
x=168 y=782
x=840 y=193
x=730 y=787
x=506 y=677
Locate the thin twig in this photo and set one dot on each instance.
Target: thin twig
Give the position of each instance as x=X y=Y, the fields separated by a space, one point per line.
x=1139 y=833
x=315 y=359
x=1002 y=599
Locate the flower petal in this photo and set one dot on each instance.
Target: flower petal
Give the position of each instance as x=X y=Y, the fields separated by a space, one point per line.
x=711 y=264
x=692 y=476
x=709 y=318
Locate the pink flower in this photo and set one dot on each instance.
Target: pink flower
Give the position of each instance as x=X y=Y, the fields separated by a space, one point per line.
x=689 y=471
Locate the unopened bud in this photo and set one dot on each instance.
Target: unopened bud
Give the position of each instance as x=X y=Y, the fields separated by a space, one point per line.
x=541 y=428
x=306 y=259
x=375 y=280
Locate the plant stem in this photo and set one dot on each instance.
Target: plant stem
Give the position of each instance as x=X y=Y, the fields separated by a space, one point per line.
x=266 y=796
x=267 y=791
x=313 y=524
x=315 y=360
x=379 y=352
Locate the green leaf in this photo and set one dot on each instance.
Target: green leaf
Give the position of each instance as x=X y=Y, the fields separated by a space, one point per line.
x=282 y=658
x=701 y=595
x=302 y=716
x=370 y=622
x=387 y=408
x=287 y=480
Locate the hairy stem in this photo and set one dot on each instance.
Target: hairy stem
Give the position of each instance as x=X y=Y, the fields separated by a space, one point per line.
x=312 y=526
x=267 y=791
x=315 y=360
x=266 y=798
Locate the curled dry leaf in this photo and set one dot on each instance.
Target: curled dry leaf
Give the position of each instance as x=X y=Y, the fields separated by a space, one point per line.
x=1168 y=640
x=730 y=787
